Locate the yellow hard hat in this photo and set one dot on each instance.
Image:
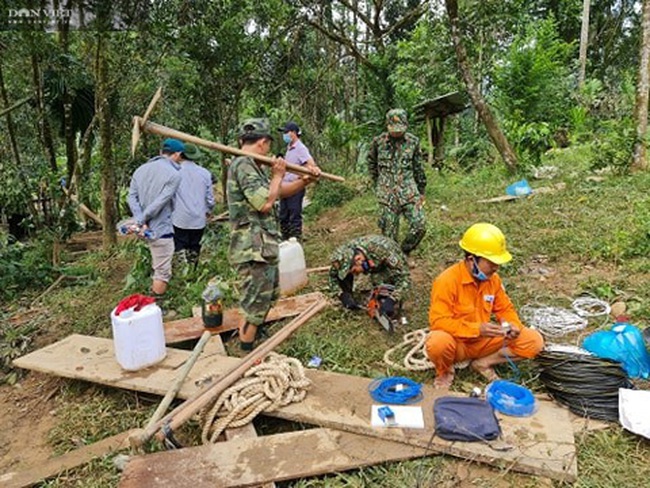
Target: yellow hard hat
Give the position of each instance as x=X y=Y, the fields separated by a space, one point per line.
x=486 y=241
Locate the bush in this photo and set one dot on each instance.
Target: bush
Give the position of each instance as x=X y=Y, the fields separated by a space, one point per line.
x=328 y=194
x=22 y=267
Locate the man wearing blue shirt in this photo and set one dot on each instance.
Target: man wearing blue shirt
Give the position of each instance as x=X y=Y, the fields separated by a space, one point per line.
x=192 y=203
x=151 y=200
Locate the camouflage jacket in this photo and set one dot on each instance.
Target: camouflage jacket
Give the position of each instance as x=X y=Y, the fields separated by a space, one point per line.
x=254 y=235
x=390 y=263
x=396 y=170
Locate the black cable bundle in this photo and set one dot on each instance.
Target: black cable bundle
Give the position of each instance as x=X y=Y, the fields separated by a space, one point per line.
x=588 y=385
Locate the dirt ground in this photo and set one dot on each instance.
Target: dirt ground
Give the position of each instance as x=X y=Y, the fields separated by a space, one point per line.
x=27 y=414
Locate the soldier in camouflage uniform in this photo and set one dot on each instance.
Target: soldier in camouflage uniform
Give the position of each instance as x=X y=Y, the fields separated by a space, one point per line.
x=399 y=180
x=379 y=256
x=254 y=240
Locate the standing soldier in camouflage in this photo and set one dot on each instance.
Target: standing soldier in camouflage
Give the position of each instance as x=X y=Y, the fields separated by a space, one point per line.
x=376 y=255
x=254 y=237
x=399 y=180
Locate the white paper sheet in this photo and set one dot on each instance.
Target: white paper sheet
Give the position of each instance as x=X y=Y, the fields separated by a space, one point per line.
x=633 y=411
x=409 y=417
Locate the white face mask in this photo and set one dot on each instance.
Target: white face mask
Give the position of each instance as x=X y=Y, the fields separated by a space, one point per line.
x=286 y=137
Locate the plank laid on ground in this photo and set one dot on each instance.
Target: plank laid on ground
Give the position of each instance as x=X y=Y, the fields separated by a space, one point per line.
x=249 y=462
x=543 y=443
x=93 y=359
x=192 y=327
x=69 y=460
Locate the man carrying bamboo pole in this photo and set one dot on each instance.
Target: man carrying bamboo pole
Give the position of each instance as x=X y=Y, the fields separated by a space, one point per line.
x=255 y=237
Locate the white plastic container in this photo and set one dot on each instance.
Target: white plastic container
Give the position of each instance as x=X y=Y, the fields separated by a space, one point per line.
x=293 y=270
x=139 y=337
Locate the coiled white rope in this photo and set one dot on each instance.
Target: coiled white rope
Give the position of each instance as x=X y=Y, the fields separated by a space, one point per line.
x=277 y=381
x=412 y=346
x=415 y=358
x=552 y=321
x=590 y=307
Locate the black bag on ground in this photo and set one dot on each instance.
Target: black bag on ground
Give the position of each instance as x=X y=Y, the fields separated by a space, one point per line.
x=465 y=419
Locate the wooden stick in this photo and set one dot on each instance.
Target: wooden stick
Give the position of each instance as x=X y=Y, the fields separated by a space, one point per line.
x=173 y=391
x=319 y=269
x=152 y=104
x=161 y=130
x=135 y=134
x=184 y=412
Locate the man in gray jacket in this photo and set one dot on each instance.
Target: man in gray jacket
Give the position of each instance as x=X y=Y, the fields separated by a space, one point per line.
x=192 y=203
x=151 y=199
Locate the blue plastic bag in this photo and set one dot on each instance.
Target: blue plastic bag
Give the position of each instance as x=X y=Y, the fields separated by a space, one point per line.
x=519 y=189
x=622 y=343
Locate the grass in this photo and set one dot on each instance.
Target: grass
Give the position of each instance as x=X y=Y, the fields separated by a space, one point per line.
x=590 y=237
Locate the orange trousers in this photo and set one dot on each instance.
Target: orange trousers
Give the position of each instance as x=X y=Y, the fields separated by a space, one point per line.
x=443 y=349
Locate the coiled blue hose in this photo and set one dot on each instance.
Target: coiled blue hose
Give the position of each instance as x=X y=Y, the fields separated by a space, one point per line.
x=510 y=398
x=396 y=390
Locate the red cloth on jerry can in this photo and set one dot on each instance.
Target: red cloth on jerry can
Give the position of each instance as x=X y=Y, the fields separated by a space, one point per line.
x=136 y=302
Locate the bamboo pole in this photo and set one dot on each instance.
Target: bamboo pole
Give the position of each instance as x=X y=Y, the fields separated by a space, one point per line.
x=173 y=391
x=184 y=411
x=153 y=128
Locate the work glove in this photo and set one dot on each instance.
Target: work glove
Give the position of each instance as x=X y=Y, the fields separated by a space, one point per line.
x=387 y=307
x=348 y=302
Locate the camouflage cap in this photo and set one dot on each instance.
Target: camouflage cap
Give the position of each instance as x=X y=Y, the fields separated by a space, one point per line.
x=397 y=120
x=345 y=260
x=255 y=129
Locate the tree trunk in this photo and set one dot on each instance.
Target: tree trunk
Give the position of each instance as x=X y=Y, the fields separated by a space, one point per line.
x=481 y=107
x=103 y=110
x=584 y=40
x=45 y=130
x=639 y=161
x=10 y=123
x=14 y=144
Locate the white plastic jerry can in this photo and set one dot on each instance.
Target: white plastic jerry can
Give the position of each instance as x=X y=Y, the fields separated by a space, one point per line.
x=293 y=270
x=138 y=337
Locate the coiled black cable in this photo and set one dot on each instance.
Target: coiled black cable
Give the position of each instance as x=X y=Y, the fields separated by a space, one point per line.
x=588 y=385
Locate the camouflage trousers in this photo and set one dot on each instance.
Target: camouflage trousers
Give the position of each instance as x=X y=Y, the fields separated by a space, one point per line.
x=260 y=289
x=389 y=216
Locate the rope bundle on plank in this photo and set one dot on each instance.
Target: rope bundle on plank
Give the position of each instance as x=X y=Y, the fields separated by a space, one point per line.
x=275 y=382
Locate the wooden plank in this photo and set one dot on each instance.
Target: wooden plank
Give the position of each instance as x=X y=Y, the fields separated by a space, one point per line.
x=238 y=463
x=92 y=359
x=543 y=444
x=192 y=327
x=69 y=460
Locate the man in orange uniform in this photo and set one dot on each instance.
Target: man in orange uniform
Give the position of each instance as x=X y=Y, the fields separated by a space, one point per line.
x=464 y=298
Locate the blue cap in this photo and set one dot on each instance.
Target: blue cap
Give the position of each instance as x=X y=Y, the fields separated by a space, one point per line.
x=290 y=126
x=173 y=145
